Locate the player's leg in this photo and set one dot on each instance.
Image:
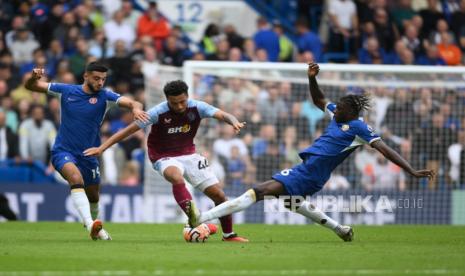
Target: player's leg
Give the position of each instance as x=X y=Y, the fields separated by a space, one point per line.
x=311 y=211
x=89 y=168
x=93 y=194
x=216 y=194
x=173 y=171
x=268 y=188
x=78 y=195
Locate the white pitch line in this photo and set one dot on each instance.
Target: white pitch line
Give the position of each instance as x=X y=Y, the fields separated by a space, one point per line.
x=239 y=272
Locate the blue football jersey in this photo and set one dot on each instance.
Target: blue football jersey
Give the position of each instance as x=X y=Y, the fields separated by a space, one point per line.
x=340 y=139
x=81 y=116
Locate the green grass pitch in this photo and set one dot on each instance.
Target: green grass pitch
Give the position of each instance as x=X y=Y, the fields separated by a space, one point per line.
x=159 y=249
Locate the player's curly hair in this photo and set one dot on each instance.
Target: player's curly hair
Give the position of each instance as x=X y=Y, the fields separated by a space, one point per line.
x=175 y=88
x=358 y=103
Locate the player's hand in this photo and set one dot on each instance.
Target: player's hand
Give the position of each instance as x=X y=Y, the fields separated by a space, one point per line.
x=93 y=152
x=237 y=126
x=140 y=115
x=425 y=173
x=38 y=73
x=313 y=69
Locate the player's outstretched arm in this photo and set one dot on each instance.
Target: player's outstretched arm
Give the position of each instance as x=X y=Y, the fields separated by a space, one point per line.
x=392 y=155
x=34 y=83
x=115 y=138
x=229 y=119
x=318 y=97
x=136 y=107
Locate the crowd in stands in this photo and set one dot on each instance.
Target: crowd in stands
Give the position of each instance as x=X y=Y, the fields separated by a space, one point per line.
x=63 y=36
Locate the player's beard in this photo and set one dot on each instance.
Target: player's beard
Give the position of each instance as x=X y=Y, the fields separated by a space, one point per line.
x=91 y=88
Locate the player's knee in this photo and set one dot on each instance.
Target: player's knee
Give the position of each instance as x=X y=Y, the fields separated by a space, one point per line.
x=75 y=178
x=174 y=176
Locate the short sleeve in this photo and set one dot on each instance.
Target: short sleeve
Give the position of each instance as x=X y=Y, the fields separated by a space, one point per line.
x=153 y=114
x=206 y=110
x=112 y=96
x=56 y=89
x=366 y=133
x=329 y=108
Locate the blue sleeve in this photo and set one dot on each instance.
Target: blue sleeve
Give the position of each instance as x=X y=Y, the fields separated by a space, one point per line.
x=205 y=110
x=57 y=88
x=367 y=133
x=112 y=96
x=330 y=107
x=153 y=114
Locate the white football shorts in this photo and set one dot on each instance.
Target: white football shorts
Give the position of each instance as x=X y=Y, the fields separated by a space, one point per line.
x=194 y=168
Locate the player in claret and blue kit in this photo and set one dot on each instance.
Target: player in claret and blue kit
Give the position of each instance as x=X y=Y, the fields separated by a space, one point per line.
x=345 y=133
x=83 y=108
x=171 y=148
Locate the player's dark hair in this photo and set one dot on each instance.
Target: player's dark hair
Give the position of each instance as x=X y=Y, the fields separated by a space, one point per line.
x=96 y=66
x=175 y=88
x=357 y=103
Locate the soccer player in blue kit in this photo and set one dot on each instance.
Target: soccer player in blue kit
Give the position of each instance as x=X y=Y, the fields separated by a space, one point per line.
x=83 y=108
x=343 y=135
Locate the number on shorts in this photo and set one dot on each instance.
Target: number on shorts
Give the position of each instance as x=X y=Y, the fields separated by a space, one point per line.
x=286 y=172
x=203 y=164
x=95 y=172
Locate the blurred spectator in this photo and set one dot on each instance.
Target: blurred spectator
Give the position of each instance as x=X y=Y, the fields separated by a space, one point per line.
x=118 y=29
x=235 y=40
x=7 y=107
x=23 y=46
x=60 y=31
x=22 y=93
x=249 y=50
x=18 y=25
x=272 y=107
x=312 y=113
x=294 y=119
x=216 y=166
x=286 y=48
x=337 y=182
x=99 y=46
x=457 y=22
x=448 y=51
x=172 y=54
x=456 y=154
x=343 y=26
x=383 y=175
x=86 y=27
x=36 y=136
x=210 y=38
x=386 y=31
x=289 y=138
x=371 y=53
x=266 y=39
x=431 y=15
x=222 y=50
x=431 y=57
x=236 y=92
x=95 y=13
x=222 y=147
x=411 y=39
x=39 y=60
x=153 y=24
x=8 y=140
x=403 y=13
x=130 y=175
x=120 y=63
x=235 y=167
x=131 y=15
x=269 y=162
x=433 y=142
x=308 y=41
x=441 y=27
x=266 y=135
x=77 y=61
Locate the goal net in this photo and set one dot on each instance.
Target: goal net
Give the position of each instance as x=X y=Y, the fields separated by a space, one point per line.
x=418 y=111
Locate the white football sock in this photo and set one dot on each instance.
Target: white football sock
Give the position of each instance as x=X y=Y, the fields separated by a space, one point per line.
x=81 y=203
x=232 y=206
x=312 y=212
x=94 y=210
